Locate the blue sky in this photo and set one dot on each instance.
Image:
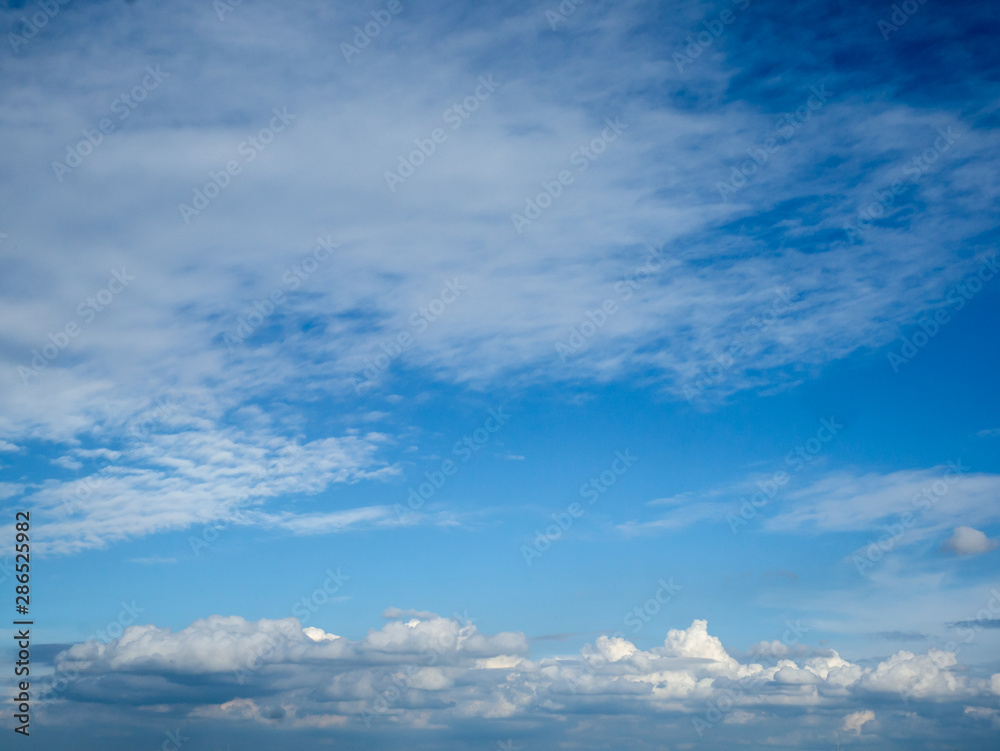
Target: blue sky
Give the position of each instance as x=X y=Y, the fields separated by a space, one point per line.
x=507 y=377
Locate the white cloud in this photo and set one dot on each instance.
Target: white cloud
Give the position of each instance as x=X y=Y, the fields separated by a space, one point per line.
x=202 y=475
x=856 y=720
x=67 y=462
x=680 y=517
x=914 y=675
x=969 y=541
x=318 y=634
x=220 y=644
x=525 y=293
x=982 y=713
x=445 y=671
x=97 y=453
x=10 y=490
x=333 y=521
x=932 y=498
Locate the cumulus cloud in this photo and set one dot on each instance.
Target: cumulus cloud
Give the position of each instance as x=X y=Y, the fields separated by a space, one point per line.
x=318 y=634
x=969 y=541
x=431 y=671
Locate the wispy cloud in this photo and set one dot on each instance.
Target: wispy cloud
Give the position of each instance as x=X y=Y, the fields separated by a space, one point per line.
x=845 y=299
x=173 y=481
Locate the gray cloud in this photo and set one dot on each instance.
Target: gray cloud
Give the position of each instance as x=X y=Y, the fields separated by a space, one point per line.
x=444 y=671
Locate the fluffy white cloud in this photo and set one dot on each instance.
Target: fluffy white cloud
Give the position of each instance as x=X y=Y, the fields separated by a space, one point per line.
x=920 y=676
x=220 y=644
x=318 y=634
x=437 y=671
x=969 y=541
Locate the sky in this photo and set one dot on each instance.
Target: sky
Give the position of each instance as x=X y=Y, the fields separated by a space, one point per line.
x=528 y=375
